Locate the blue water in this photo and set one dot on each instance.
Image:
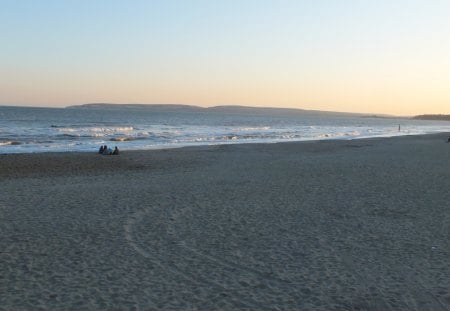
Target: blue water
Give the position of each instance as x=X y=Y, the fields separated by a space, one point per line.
x=25 y=130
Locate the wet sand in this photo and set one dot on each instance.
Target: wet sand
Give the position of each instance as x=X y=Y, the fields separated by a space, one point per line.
x=331 y=225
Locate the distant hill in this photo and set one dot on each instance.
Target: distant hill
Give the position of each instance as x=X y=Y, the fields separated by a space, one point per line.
x=437 y=117
x=221 y=109
x=164 y=107
x=273 y=111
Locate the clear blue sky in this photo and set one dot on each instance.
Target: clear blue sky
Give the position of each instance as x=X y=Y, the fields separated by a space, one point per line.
x=367 y=56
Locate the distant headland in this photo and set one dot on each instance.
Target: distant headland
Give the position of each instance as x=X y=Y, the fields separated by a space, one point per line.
x=230 y=109
x=436 y=117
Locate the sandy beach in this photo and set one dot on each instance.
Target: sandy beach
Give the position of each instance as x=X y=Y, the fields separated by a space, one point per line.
x=328 y=225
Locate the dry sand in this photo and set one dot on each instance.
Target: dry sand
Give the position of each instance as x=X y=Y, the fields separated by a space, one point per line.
x=333 y=225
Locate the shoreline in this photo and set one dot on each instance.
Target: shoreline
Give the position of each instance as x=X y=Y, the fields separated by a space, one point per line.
x=226 y=144
x=323 y=225
x=42 y=163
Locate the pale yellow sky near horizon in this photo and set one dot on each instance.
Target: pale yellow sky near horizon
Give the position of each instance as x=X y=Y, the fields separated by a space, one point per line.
x=388 y=96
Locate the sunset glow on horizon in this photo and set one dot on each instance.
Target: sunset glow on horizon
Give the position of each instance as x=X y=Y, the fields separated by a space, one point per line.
x=389 y=57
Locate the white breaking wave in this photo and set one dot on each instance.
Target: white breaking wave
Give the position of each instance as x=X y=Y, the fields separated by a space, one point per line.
x=261 y=128
x=7 y=143
x=94 y=131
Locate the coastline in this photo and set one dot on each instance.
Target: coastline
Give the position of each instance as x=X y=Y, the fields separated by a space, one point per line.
x=168 y=147
x=91 y=161
x=330 y=224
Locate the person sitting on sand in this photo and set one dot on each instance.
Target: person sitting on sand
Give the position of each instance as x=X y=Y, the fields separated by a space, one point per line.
x=116 y=151
x=106 y=150
x=100 y=151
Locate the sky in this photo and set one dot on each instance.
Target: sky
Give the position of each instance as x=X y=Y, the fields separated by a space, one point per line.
x=384 y=56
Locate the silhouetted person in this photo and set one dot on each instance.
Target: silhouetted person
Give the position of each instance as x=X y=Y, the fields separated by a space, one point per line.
x=105 y=150
x=100 y=151
x=448 y=140
x=116 y=151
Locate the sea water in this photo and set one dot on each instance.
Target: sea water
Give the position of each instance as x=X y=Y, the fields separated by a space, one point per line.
x=26 y=130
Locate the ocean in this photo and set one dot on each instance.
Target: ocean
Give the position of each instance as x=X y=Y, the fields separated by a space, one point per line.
x=84 y=129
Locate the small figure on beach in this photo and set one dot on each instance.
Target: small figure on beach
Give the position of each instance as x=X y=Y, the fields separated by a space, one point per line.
x=106 y=150
x=448 y=140
x=399 y=127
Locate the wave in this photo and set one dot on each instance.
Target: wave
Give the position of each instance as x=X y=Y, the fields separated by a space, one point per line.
x=257 y=128
x=10 y=143
x=80 y=135
x=265 y=136
x=122 y=138
x=93 y=131
x=129 y=138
